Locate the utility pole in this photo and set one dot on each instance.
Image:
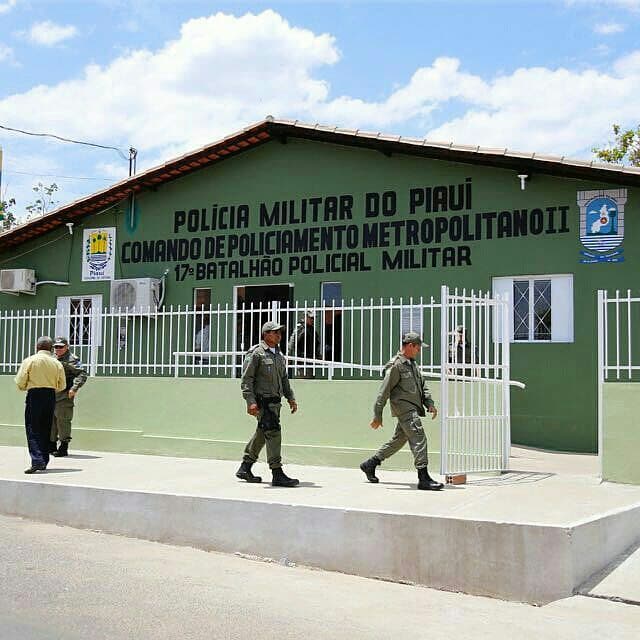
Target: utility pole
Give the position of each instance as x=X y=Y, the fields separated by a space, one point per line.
x=133 y=154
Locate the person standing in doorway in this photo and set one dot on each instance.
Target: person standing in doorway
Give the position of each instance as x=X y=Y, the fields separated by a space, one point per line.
x=404 y=385
x=461 y=353
x=40 y=375
x=75 y=376
x=304 y=342
x=264 y=382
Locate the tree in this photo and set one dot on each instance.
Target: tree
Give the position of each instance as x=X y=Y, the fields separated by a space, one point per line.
x=44 y=201
x=7 y=217
x=626 y=149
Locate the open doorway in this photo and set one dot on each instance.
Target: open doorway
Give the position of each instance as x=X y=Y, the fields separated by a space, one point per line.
x=255 y=304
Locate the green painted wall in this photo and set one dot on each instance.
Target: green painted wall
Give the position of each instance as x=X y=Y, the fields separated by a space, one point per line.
x=558 y=409
x=207 y=419
x=621 y=432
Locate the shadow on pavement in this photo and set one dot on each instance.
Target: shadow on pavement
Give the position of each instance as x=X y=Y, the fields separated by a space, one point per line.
x=82 y=456
x=512 y=477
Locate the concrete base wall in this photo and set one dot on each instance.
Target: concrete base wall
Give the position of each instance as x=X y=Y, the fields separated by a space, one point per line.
x=621 y=431
x=206 y=418
x=522 y=562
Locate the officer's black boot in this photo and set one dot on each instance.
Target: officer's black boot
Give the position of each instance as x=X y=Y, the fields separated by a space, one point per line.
x=53 y=446
x=426 y=482
x=282 y=480
x=63 y=450
x=368 y=467
x=244 y=472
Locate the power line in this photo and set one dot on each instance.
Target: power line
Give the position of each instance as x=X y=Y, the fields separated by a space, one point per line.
x=51 y=135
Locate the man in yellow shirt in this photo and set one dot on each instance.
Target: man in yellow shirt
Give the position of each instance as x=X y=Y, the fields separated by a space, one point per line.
x=40 y=375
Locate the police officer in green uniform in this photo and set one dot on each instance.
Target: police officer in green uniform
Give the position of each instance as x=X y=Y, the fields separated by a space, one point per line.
x=75 y=375
x=404 y=385
x=264 y=382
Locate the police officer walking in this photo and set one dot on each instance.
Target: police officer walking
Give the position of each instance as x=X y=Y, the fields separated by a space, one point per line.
x=40 y=375
x=264 y=382
x=75 y=376
x=404 y=385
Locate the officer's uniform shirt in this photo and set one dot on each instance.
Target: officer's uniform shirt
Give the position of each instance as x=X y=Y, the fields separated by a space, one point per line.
x=264 y=373
x=404 y=385
x=75 y=374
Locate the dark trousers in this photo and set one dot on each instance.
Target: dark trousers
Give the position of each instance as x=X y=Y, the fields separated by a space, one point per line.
x=38 y=416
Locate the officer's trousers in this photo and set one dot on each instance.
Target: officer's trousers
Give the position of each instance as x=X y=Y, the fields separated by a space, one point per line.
x=62 y=417
x=409 y=429
x=38 y=416
x=269 y=433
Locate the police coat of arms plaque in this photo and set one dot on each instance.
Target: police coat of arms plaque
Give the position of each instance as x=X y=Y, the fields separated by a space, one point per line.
x=602 y=225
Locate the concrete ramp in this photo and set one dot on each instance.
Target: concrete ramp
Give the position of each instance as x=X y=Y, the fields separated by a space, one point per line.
x=620 y=581
x=529 y=535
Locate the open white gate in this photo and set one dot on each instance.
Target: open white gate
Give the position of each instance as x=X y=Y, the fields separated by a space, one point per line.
x=474 y=403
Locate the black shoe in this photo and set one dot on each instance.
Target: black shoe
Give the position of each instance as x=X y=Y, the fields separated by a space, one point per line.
x=53 y=446
x=63 y=450
x=368 y=467
x=426 y=482
x=34 y=468
x=281 y=480
x=244 y=473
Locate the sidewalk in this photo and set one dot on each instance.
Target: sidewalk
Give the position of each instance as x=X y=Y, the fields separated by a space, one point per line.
x=492 y=536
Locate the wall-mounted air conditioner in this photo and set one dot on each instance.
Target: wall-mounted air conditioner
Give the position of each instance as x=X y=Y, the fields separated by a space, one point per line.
x=18 y=281
x=135 y=295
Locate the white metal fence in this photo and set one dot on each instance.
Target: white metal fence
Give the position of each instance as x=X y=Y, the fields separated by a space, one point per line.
x=618 y=350
x=466 y=331
x=355 y=339
x=618 y=345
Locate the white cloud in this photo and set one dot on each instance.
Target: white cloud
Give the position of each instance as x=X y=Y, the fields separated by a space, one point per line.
x=6 y=53
x=602 y=49
x=629 y=65
x=630 y=5
x=558 y=111
x=633 y=5
x=49 y=33
x=545 y=110
x=220 y=74
x=7 y=5
x=608 y=28
x=223 y=72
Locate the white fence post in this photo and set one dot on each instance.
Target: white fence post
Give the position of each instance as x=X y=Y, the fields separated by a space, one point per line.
x=601 y=374
x=444 y=395
x=502 y=310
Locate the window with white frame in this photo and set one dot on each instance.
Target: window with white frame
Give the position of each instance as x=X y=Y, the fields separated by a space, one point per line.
x=540 y=307
x=79 y=319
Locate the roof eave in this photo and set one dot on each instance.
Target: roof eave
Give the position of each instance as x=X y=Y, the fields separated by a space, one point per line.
x=269 y=129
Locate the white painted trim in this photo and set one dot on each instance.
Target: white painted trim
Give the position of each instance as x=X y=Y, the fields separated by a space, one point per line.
x=568 y=308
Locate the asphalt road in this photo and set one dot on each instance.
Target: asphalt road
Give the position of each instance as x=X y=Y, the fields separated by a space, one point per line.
x=65 y=584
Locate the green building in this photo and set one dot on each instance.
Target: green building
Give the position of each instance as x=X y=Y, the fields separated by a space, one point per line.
x=284 y=212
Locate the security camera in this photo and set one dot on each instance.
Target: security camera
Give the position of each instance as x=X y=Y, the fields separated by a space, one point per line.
x=70 y=227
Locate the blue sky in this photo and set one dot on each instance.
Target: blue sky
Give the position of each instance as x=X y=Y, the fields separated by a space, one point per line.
x=166 y=77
